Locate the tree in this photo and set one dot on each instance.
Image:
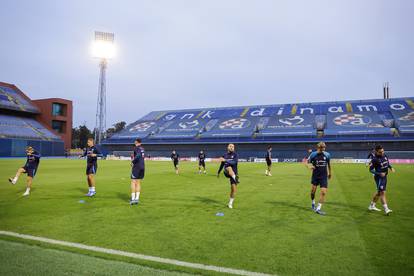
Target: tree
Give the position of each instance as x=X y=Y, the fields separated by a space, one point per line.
x=80 y=136
x=116 y=128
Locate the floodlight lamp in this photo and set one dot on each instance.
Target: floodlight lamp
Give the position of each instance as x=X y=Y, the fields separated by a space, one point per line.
x=103 y=46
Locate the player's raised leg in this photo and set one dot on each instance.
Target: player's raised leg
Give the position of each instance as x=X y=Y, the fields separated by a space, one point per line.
x=13 y=180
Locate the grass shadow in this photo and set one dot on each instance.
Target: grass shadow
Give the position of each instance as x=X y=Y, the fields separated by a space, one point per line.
x=289 y=205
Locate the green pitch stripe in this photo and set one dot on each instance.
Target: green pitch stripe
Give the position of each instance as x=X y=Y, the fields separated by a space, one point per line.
x=134 y=255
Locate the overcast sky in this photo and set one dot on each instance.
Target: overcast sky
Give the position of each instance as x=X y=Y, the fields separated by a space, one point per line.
x=176 y=54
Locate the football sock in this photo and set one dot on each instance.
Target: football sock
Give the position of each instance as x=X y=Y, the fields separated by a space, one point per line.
x=313 y=201
x=372 y=203
x=137 y=195
x=132 y=196
x=231 y=201
x=385 y=207
x=92 y=189
x=27 y=190
x=15 y=179
x=319 y=206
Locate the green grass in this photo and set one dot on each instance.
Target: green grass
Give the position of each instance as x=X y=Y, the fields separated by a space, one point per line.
x=271 y=229
x=22 y=259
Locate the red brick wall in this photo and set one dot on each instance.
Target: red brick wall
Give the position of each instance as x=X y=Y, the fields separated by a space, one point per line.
x=46 y=117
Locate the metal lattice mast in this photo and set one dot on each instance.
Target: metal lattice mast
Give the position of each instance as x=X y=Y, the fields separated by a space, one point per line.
x=104 y=50
x=100 y=125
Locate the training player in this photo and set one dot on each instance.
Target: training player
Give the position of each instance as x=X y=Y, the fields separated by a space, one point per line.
x=137 y=172
x=92 y=153
x=229 y=163
x=269 y=161
x=201 y=162
x=380 y=165
x=30 y=168
x=175 y=157
x=319 y=163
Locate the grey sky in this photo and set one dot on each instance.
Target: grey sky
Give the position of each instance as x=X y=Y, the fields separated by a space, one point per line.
x=184 y=54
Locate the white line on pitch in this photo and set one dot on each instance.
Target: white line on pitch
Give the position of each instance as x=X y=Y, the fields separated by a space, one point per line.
x=135 y=255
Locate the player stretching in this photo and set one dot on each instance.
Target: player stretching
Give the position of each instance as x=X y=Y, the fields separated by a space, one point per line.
x=319 y=163
x=269 y=161
x=137 y=172
x=32 y=163
x=201 y=162
x=175 y=157
x=380 y=165
x=229 y=163
x=92 y=153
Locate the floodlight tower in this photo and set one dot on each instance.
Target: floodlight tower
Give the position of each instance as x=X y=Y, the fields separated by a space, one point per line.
x=103 y=49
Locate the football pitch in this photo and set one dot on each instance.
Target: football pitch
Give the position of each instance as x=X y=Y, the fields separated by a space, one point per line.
x=271 y=229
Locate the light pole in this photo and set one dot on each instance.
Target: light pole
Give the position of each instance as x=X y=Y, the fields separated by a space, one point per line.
x=103 y=48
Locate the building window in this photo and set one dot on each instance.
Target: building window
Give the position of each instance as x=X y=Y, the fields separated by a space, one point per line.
x=58 y=109
x=59 y=126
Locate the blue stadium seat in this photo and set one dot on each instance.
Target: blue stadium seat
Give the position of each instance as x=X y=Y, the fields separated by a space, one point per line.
x=236 y=127
x=11 y=99
x=404 y=121
x=288 y=126
x=178 y=129
x=21 y=127
x=363 y=124
x=302 y=122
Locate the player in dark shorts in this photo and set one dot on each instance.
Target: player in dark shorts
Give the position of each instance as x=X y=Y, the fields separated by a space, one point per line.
x=137 y=171
x=380 y=165
x=268 y=158
x=175 y=157
x=320 y=164
x=229 y=162
x=91 y=153
x=30 y=168
x=201 y=162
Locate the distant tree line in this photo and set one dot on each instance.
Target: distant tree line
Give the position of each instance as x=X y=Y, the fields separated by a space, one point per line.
x=81 y=133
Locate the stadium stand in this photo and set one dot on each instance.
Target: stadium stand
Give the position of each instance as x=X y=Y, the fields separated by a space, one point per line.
x=350 y=127
x=19 y=126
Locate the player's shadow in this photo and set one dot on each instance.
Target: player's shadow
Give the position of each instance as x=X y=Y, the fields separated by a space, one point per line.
x=288 y=205
x=122 y=196
x=345 y=205
x=208 y=201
